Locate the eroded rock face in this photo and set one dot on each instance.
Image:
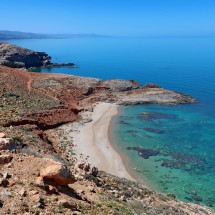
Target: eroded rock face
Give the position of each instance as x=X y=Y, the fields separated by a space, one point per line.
x=17 y=57
x=57 y=174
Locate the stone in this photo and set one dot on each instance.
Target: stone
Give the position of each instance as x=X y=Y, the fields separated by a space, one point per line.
x=1 y=204
x=7 y=143
x=11 y=183
x=38 y=205
x=73 y=205
x=33 y=192
x=64 y=203
x=76 y=213
x=84 y=166
x=39 y=182
x=22 y=192
x=4 y=182
x=35 y=198
x=51 y=189
x=57 y=174
x=5 y=159
x=92 y=190
x=6 y=175
x=2 y=135
x=94 y=171
x=6 y=193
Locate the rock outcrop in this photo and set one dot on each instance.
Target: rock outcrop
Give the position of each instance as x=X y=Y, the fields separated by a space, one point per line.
x=57 y=174
x=17 y=57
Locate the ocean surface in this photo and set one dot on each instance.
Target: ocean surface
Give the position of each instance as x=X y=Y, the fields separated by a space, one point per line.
x=172 y=148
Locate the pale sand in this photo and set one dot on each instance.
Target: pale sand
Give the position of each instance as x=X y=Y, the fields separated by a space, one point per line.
x=92 y=141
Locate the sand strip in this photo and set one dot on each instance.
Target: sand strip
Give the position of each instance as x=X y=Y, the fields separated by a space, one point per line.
x=92 y=140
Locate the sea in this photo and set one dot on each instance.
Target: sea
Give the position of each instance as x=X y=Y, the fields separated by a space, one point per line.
x=170 y=148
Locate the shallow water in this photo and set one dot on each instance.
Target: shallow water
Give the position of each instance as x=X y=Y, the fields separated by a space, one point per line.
x=185 y=164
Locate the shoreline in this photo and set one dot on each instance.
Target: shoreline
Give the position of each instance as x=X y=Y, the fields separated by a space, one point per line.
x=125 y=160
x=93 y=145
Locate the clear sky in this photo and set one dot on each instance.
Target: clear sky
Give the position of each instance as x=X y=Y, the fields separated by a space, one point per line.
x=110 y=17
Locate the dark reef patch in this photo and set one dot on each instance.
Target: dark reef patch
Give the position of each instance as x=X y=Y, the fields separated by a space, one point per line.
x=144 y=153
x=153 y=130
x=150 y=116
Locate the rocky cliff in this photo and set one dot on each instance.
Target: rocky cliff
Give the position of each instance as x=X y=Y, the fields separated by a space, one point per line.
x=17 y=57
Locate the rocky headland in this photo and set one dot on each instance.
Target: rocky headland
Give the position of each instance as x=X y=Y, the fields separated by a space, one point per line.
x=17 y=57
x=39 y=169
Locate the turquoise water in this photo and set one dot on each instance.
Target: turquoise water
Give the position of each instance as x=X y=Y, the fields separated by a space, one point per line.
x=184 y=151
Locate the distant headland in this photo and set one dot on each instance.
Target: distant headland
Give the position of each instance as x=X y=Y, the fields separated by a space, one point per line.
x=10 y=35
x=17 y=57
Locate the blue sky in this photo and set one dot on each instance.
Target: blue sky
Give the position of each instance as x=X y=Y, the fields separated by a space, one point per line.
x=110 y=17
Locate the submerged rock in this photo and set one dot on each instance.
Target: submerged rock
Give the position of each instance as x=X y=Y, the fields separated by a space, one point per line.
x=197 y=198
x=145 y=153
x=154 y=130
x=150 y=116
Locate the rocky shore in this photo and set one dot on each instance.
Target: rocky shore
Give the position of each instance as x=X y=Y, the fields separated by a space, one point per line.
x=39 y=171
x=17 y=57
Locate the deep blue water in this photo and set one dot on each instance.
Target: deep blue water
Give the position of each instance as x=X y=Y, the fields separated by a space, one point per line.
x=185 y=163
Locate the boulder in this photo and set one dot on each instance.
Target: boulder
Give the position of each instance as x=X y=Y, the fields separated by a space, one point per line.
x=2 y=135
x=94 y=171
x=5 y=159
x=84 y=166
x=7 y=143
x=57 y=174
x=65 y=203
x=4 y=182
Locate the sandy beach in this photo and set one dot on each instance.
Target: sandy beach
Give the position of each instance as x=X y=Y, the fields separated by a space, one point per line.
x=92 y=141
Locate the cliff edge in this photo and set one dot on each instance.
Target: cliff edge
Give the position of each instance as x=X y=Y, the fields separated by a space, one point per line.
x=17 y=57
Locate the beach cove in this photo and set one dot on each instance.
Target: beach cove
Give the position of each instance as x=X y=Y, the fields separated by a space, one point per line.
x=92 y=141
x=172 y=74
